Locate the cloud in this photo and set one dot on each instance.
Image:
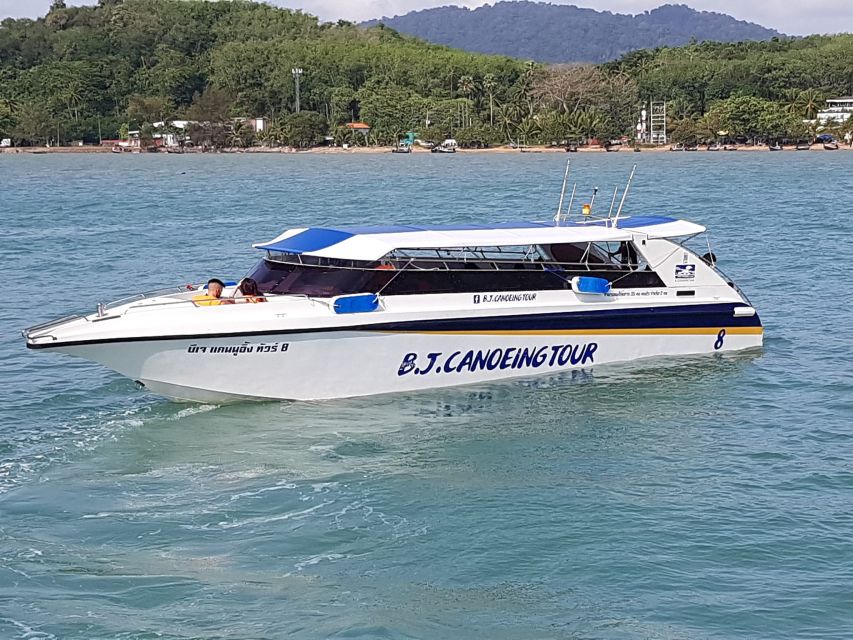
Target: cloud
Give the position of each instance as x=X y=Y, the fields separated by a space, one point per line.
x=796 y=18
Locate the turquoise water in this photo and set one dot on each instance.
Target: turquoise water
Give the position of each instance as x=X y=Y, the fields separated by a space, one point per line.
x=696 y=498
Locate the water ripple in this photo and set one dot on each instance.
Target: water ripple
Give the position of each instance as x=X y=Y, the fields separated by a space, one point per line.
x=685 y=498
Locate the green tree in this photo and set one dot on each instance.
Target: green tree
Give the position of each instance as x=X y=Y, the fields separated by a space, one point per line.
x=305 y=129
x=34 y=124
x=148 y=109
x=214 y=105
x=7 y=119
x=146 y=136
x=740 y=116
x=685 y=130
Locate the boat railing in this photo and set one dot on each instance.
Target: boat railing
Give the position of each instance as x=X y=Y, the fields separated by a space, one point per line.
x=402 y=261
x=225 y=301
x=102 y=310
x=44 y=326
x=147 y=295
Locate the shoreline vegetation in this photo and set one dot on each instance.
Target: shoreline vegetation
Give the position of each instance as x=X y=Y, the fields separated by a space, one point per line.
x=380 y=149
x=241 y=75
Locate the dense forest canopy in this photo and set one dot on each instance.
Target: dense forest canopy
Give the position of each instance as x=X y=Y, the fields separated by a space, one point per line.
x=149 y=60
x=564 y=33
x=82 y=73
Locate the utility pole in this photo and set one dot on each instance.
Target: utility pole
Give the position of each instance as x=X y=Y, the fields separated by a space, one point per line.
x=297 y=75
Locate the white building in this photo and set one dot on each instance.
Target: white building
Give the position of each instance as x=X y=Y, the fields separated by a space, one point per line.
x=838 y=109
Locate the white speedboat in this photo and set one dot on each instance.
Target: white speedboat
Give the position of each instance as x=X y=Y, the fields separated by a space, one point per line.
x=361 y=311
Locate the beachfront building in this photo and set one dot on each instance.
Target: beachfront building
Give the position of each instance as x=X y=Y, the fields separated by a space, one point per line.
x=837 y=109
x=361 y=127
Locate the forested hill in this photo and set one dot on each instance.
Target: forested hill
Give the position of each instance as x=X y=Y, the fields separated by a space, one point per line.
x=565 y=33
x=125 y=63
x=92 y=72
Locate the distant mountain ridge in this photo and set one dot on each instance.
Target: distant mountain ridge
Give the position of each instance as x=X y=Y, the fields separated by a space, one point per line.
x=565 y=33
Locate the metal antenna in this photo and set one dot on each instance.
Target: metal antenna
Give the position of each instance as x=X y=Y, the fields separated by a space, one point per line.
x=592 y=200
x=571 y=200
x=562 y=192
x=624 y=195
x=612 y=202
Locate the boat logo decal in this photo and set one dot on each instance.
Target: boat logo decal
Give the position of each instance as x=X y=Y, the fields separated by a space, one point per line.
x=504 y=297
x=685 y=271
x=240 y=349
x=498 y=358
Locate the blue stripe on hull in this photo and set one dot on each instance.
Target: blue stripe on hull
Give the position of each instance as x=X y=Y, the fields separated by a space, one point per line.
x=682 y=316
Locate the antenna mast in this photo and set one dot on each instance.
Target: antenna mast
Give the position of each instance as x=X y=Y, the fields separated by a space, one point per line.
x=562 y=193
x=624 y=195
x=571 y=200
x=613 y=202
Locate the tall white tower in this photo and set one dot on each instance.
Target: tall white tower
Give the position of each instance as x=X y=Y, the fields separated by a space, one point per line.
x=658 y=123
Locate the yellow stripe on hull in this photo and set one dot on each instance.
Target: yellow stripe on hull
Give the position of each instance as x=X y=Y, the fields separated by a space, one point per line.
x=696 y=331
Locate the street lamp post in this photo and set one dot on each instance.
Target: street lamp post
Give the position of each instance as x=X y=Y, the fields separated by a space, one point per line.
x=297 y=74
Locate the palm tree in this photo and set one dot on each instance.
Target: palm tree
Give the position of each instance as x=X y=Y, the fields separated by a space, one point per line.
x=591 y=123
x=510 y=115
x=275 y=133
x=237 y=136
x=791 y=100
x=489 y=85
x=528 y=128
x=529 y=72
x=468 y=89
x=810 y=102
x=467 y=86
x=522 y=89
x=505 y=121
x=73 y=98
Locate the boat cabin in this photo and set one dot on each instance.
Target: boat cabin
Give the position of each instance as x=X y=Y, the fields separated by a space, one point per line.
x=412 y=260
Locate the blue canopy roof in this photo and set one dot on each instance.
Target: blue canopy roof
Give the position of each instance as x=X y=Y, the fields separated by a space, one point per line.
x=372 y=243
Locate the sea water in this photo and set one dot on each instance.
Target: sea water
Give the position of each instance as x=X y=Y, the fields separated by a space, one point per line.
x=706 y=497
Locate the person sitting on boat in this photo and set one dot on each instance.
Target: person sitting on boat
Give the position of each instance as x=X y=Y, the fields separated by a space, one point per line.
x=213 y=296
x=249 y=290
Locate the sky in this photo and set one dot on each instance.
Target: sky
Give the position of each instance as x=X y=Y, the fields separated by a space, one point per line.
x=794 y=17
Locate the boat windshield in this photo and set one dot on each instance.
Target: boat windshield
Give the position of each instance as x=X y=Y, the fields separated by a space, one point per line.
x=317 y=280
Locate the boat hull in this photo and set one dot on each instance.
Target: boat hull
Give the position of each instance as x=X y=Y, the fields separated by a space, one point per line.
x=338 y=364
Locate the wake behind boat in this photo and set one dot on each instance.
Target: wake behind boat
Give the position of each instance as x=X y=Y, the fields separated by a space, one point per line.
x=354 y=311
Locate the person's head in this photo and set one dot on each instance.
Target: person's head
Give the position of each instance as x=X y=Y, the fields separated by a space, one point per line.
x=248 y=287
x=215 y=286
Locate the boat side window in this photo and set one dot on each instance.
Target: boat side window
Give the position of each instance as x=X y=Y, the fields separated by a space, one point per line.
x=567 y=253
x=529 y=269
x=619 y=255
